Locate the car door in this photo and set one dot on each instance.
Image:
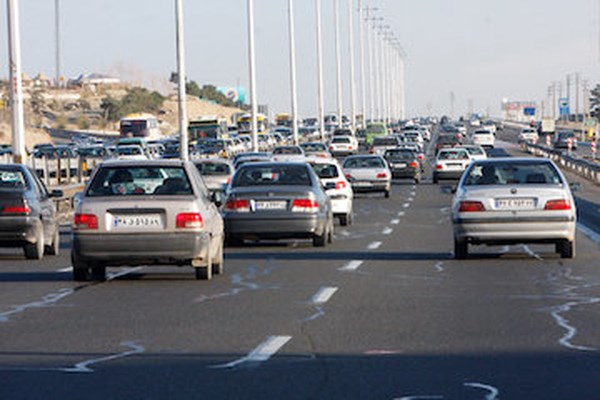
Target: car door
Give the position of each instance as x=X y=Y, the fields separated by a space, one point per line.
x=48 y=212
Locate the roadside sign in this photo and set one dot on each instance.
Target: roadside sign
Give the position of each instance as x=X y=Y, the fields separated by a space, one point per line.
x=563 y=105
x=529 y=111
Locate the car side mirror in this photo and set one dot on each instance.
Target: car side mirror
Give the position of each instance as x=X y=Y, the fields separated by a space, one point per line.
x=56 y=193
x=575 y=186
x=217 y=198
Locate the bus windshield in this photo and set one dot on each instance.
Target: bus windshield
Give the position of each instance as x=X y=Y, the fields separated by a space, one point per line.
x=134 y=128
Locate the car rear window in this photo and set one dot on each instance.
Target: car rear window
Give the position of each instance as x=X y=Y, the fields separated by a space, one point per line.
x=213 y=168
x=287 y=150
x=266 y=175
x=342 y=139
x=364 y=162
x=385 y=142
x=403 y=154
x=325 y=171
x=453 y=155
x=513 y=173
x=139 y=181
x=12 y=180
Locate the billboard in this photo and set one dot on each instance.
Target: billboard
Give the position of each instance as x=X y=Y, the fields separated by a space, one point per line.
x=237 y=94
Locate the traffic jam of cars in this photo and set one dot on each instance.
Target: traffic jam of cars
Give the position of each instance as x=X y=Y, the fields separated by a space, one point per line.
x=143 y=206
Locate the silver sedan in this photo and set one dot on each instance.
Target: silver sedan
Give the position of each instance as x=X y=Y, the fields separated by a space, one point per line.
x=503 y=201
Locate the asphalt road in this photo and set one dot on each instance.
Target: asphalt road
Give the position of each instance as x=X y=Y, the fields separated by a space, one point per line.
x=385 y=312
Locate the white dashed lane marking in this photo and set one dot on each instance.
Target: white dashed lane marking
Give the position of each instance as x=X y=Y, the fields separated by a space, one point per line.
x=323 y=295
x=261 y=353
x=352 y=265
x=374 y=245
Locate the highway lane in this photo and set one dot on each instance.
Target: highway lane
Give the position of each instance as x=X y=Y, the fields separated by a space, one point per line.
x=383 y=313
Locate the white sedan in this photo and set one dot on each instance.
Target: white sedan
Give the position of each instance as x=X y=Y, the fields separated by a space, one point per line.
x=336 y=186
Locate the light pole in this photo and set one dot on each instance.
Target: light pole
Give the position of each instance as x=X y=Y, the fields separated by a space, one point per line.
x=320 y=101
x=363 y=86
x=57 y=38
x=16 y=92
x=252 y=66
x=338 y=60
x=351 y=54
x=181 y=95
x=371 y=64
x=293 y=72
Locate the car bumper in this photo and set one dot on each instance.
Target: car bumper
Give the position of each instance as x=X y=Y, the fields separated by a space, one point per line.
x=507 y=230
x=248 y=226
x=448 y=174
x=139 y=249
x=341 y=206
x=400 y=173
x=17 y=231
x=370 y=186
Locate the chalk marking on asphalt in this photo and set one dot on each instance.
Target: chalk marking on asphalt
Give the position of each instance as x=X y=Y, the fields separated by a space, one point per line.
x=401 y=213
x=320 y=312
x=351 y=265
x=127 y=271
x=67 y=269
x=571 y=331
x=84 y=367
x=532 y=253
x=493 y=392
x=387 y=231
x=46 y=301
x=420 y=398
x=590 y=233
x=395 y=221
x=440 y=266
x=261 y=353
x=324 y=294
x=374 y=245
x=406 y=205
x=239 y=280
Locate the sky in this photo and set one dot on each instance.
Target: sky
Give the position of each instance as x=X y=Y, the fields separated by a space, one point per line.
x=482 y=51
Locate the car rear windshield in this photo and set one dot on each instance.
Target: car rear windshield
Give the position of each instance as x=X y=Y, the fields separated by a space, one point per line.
x=213 y=168
x=288 y=150
x=266 y=175
x=447 y=139
x=12 y=180
x=453 y=155
x=325 y=171
x=513 y=173
x=403 y=154
x=140 y=181
x=364 y=162
x=385 y=142
x=342 y=139
x=314 y=147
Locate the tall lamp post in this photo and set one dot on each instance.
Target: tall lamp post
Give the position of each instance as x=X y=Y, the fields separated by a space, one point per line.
x=338 y=60
x=351 y=55
x=16 y=92
x=320 y=101
x=252 y=65
x=181 y=95
x=293 y=72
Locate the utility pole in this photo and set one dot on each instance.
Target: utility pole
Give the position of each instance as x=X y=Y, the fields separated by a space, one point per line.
x=293 y=72
x=577 y=83
x=181 y=95
x=252 y=65
x=338 y=60
x=57 y=32
x=320 y=100
x=16 y=91
x=363 y=86
x=351 y=55
x=371 y=66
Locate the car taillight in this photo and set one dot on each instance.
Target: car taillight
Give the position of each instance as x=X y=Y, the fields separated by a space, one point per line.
x=305 y=205
x=189 y=221
x=421 y=156
x=85 y=221
x=349 y=147
x=439 y=166
x=560 y=204
x=22 y=209
x=371 y=150
x=238 y=205
x=340 y=185
x=471 y=206
x=349 y=177
x=228 y=180
x=382 y=175
x=414 y=164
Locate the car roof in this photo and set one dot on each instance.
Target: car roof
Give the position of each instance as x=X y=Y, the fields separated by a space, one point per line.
x=138 y=163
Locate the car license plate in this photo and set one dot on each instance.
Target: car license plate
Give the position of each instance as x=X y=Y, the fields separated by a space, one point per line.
x=271 y=205
x=136 y=221
x=400 y=165
x=361 y=183
x=515 y=204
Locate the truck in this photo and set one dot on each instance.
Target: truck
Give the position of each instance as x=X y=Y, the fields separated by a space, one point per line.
x=547 y=127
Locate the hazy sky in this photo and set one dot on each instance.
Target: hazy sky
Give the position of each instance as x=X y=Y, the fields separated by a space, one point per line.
x=482 y=50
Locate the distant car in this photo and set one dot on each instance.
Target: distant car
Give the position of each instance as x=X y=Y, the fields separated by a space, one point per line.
x=484 y=138
x=450 y=164
x=490 y=126
x=562 y=139
x=404 y=164
x=216 y=173
x=315 y=149
x=130 y=152
x=446 y=141
x=28 y=217
x=277 y=200
x=288 y=153
x=504 y=201
x=146 y=212
x=242 y=158
x=529 y=135
x=381 y=144
x=336 y=186
x=368 y=173
x=343 y=146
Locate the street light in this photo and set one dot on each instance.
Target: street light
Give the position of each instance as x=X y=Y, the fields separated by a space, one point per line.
x=363 y=86
x=320 y=101
x=181 y=95
x=293 y=72
x=338 y=59
x=351 y=54
x=252 y=66
x=16 y=92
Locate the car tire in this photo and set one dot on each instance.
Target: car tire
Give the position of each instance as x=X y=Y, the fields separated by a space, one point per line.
x=435 y=179
x=80 y=269
x=386 y=194
x=98 y=273
x=461 y=249
x=53 y=248
x=203 y=273
x=417 y=180
x=566 y=248
x=319 y=240
x=345 y=219
x=330 y=232
x=217 y=263
x=35 y=251
x=231 y=241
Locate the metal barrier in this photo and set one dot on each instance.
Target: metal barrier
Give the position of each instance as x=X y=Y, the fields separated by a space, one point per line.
x=588 y=169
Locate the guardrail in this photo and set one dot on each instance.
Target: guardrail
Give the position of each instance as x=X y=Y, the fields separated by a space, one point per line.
x=588 y=169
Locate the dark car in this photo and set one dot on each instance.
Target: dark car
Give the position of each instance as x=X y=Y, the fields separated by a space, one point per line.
x=28 y=216
x=404 y=164
x=562 y=139
x=277 y=200
x=445 y=141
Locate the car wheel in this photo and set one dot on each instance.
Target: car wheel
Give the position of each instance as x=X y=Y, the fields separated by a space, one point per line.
x=344 y=219
x=566 y=248
x=35 y=251
x=350 y=218
x=319 y=240
x=435 y=179
x=53 y=248
x=417 y=180
x=98 y=273
x=330 y=233
x=203 y=273
x=461 y=249
x=217 y=263
x=80 y=269
x=387 y=194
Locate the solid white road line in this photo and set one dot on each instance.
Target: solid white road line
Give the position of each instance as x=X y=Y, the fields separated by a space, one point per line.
x=261 y=353
x=374 y=245
x=323 y=295
x=351 y=266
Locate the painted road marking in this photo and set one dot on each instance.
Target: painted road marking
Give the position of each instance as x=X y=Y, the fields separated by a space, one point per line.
x=401 y=213
x=323 y=295
x=374 y=245
x=439 y=266
x=352 y=265
x=387 y=231
x=261 y=353
x=395 y=221
x=47 y=300
x=406 y=205
x=84 y=367
x=493 y=392
x=410 y=199
x=590 y=233
x=67 y=269
x=115 y=275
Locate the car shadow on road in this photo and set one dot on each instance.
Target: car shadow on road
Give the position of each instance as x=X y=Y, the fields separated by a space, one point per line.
x=341 y=255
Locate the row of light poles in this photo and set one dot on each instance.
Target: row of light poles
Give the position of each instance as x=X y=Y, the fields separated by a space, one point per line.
x=386 y=80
